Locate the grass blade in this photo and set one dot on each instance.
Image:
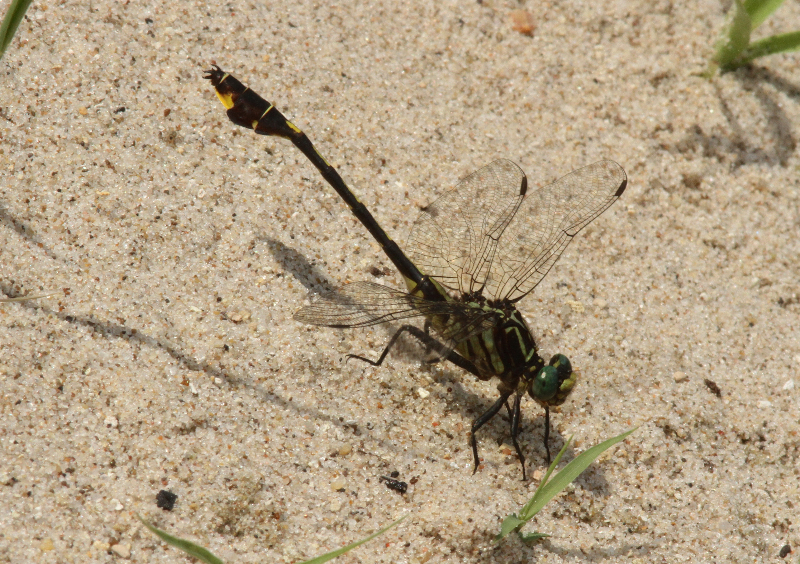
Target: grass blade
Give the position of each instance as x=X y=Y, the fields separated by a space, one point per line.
x=16 y=11
x=533 y=537
x=570 y=472
x=186 y=546
x=527 y=511
x=760 y=10
x=338 y=552
x=206 y=556
x=736 y=39
x=510 y=524
x=771 y=45
x=547 y=490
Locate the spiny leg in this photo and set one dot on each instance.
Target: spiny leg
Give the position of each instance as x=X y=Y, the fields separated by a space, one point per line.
x=482 y=420
x=426 y=340
x=405 y=328
x=515 y=419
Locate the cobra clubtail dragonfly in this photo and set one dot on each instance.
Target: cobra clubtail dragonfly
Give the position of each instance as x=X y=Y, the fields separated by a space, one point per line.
x=472 y=255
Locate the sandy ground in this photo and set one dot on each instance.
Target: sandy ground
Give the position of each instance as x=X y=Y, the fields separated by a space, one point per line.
x=180 y=246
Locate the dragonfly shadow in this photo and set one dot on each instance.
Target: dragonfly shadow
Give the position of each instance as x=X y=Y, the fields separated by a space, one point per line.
x=298 y=266
x=497 y=431
x=226 y=378
x=24 y=231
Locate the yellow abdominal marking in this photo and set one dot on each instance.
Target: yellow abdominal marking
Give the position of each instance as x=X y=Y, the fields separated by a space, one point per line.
x=266 y=112
x=226 y=99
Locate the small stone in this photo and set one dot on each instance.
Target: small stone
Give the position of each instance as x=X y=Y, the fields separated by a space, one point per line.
x=522 y=22
x=576 y=306
x=764 y=404
x=344 y=450
x=789 y=385
x=679 y=377
x=423 y=393
x=338 y=483
x=166 y=500
x=122 y=550
x=111 y=422
x=47 y=545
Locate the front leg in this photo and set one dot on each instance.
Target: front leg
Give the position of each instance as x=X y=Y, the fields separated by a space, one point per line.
x=482 y=420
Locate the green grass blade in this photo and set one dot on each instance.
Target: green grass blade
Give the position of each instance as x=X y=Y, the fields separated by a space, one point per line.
x=533 y=537
x=736 y=38
x=569 y=473
x=188 y=547
x=206 y=556
x=573 y=470
x=760 y=10
x=333 y=554
x=547 y=490
x=526 y=513
x=510 y=524
x=771 y=45
x=16 y=11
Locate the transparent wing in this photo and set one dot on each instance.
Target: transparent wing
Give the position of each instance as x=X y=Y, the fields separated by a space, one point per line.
x=546 y=222
x=486 y=235
x=361 y=304
x=454 y=240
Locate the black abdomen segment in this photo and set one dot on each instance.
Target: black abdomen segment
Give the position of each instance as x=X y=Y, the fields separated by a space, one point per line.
x=248 y=109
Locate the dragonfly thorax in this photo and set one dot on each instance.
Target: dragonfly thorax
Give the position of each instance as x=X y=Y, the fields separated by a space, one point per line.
x=509 y=352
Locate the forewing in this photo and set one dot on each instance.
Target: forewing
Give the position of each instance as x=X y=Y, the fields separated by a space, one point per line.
x=546 y=222
x=361 y=304
x=454 y=240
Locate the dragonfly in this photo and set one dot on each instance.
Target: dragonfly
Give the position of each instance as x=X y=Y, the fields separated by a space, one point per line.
x=471 y=256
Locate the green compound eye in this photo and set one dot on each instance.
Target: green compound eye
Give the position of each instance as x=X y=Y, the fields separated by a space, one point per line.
x=545 y=384
x=553 y=383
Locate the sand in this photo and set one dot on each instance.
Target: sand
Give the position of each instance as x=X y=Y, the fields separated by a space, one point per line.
x=179 y=247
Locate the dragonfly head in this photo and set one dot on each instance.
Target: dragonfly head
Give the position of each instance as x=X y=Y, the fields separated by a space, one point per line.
x=553 y=383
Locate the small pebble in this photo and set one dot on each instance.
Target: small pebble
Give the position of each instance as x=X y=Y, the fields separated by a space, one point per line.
x=122 y=550
x=522 y=22
x=679 y=377
x=46 y=545
x=166 y=500
x=576 y=306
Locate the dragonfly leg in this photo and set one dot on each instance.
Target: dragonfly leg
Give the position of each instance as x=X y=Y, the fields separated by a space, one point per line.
x=405 y=328
x=482 y=420
x=424 y=338
x=515 y=419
